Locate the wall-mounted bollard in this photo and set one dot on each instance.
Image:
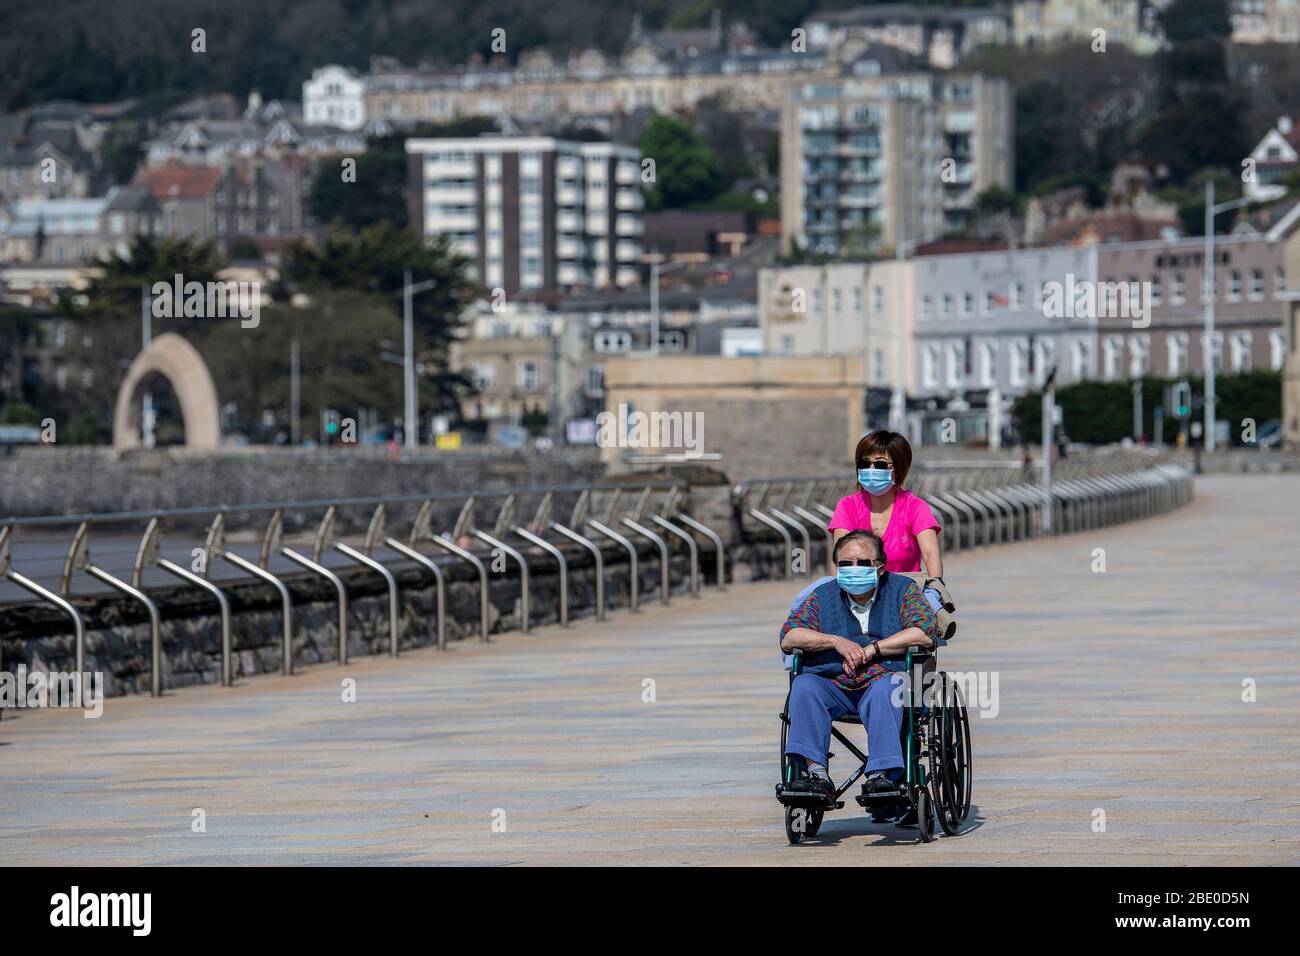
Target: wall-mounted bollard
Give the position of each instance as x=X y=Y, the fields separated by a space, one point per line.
x=558 y=555
x=449 y=546
x=817 y=522
x=780 y=529
x=419 y=531
x=802 y=528
x=633 y=584
x=523 y=571
x=79 y=560
x=270 y=545
x=375 y=534
x=325 y=538
x=78 y=626
x=665 y=583
x=600 y=563
x=720 y=551
x=198 y=581
x=691 y=547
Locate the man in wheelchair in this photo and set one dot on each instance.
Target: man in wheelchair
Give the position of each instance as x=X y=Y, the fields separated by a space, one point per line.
x=853 y=634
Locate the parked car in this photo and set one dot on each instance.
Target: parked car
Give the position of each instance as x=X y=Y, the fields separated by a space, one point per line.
x=1269 y=434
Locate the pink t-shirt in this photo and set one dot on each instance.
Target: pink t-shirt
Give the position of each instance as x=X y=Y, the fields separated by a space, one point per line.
x=911 y=516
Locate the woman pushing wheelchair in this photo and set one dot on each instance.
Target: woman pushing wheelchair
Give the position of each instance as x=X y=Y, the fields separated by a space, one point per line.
x=903 y=521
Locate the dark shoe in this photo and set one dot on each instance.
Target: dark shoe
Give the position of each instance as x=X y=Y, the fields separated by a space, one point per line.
x=879 y=786
x=820 y=786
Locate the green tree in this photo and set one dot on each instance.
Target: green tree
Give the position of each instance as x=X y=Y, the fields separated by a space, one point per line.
x=686 y=170
x=1102 y=412
x=374 y=261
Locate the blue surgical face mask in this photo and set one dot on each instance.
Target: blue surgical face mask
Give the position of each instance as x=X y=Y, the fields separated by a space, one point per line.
x=876 y=481
x=856 y=580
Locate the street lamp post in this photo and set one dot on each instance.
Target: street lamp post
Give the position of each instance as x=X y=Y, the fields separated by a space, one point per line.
x=1049 y=446
x=411 y=415
x=655 y=270
x=1207 y=347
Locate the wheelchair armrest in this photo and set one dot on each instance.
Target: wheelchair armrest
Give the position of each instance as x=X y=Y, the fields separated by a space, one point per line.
x=797 y=666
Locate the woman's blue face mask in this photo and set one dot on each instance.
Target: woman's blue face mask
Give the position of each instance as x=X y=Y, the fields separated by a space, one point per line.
x=856 y=580
x=876 y=481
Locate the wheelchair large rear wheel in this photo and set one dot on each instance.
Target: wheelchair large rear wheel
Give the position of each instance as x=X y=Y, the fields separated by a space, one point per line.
x=950 y=755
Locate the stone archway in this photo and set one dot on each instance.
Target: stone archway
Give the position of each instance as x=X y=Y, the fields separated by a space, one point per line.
x=179 y=362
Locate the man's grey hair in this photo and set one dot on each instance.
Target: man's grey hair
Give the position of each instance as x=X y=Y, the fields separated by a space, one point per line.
x=860 y=535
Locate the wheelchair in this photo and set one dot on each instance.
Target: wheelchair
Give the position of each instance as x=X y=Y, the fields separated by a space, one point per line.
x=936 y=753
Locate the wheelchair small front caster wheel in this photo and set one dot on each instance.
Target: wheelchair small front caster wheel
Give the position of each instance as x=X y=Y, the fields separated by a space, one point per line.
x=800 y=823
x=924 y=815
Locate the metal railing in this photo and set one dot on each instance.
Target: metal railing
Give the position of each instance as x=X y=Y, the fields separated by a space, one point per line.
x=215 y=564
x=977 y=507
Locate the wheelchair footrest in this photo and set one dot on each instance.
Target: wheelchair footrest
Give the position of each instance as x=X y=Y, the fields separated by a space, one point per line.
x=875 y=799
x=808 y=801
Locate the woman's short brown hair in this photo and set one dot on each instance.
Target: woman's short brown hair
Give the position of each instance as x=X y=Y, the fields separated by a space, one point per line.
x=883 y=441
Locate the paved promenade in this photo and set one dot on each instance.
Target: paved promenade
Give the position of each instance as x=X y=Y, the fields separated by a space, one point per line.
x=1118 y=691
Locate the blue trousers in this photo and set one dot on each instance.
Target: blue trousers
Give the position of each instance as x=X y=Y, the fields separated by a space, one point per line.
x=816 y=701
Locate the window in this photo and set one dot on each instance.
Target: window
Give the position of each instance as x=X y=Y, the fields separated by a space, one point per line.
x=595 y=380
x=672 y=340
x=612 y=340
x=1276 y=350
x=1176 y=288
x=528 y=376
x=1081 y=356
x=878 y=365
x=1176 y=347
x=1216 y=351
x=837 y=301
x=1112 y=358
x=930 y=366
x=1239 y=353
x=1157 y=290
x=967 y=303
x=1018 y=369
x=1017 y=295
x=1234 y=286
x=1139 y=351
x=990 y=302
x=877 y=299
x=988 y=364
x=945 y=304
x=484 y=376
x=925 y=306
x=1256 y=285
x=857 y=300
x=1279 y=283
x=956 y=364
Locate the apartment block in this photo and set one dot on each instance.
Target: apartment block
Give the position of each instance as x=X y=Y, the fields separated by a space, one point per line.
x=533 y=214
x=890 y=159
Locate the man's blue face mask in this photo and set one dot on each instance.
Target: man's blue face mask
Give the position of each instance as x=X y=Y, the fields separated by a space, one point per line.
x=856 y=580
x=876 y=481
